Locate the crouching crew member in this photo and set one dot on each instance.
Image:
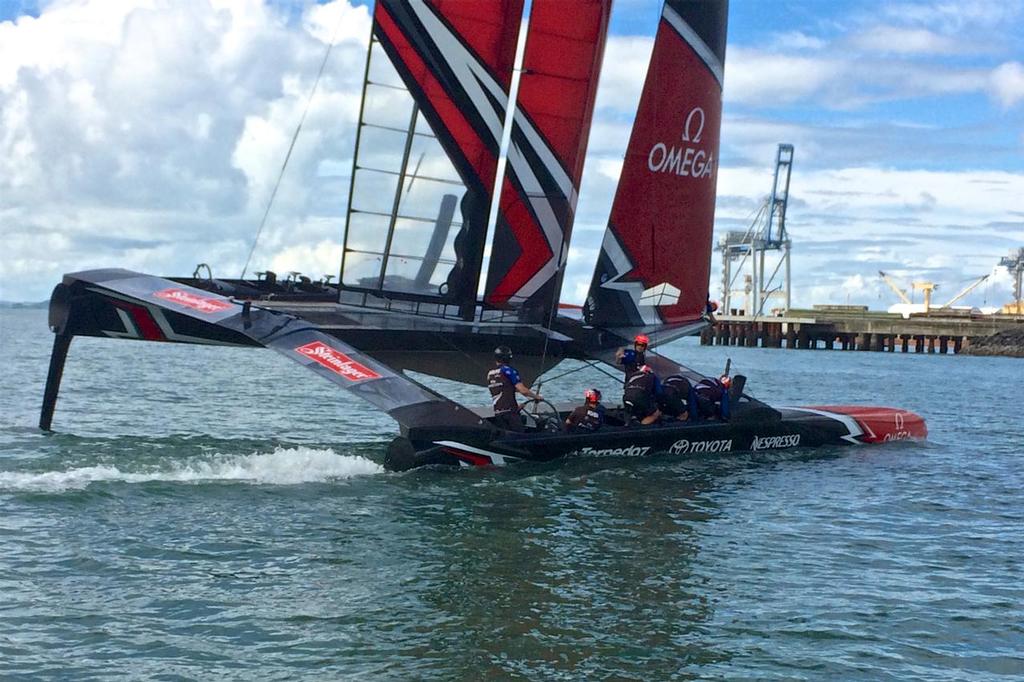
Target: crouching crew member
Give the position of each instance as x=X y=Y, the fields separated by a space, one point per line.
x=675 y=396
x=590 y=415
x=503 y=382
x=709 y=394
x=639 y=395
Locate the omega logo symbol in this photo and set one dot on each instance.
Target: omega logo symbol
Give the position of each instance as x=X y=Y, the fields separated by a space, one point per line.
x=694 y=119
x=898 y=418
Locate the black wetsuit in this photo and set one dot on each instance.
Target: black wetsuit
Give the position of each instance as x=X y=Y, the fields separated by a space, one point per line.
x=639 y=393
x=709 y=396
x=586 y=418
x=501 y=381
x=675 y=393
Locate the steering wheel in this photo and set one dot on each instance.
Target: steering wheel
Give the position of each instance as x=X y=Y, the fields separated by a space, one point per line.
x=546 y=419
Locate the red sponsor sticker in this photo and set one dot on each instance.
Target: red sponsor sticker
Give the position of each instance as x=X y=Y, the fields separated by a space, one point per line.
x=194 y=301
x=337 y=362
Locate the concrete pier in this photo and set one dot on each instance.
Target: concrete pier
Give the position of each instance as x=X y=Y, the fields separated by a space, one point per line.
x=861 y=330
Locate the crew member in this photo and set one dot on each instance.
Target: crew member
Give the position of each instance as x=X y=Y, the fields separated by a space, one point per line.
x=709 y=394
x=640 y=343
x=709 y=310
x=675 y=396
x=590 y=415
x=639 y=395
x=503 y=382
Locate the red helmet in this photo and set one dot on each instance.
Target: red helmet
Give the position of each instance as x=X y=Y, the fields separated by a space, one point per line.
x=592 y=395
x=725 y=380
x=641 y=339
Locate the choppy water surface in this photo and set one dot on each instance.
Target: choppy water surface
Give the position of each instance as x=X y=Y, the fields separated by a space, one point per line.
x=215 y=513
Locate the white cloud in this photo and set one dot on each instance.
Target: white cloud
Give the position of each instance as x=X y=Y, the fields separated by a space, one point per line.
x=900 y=40
x=798 y=40
x=166 y=123
x=625 y=57
x=954 y=16
x=1007 y=83
x=755 y=76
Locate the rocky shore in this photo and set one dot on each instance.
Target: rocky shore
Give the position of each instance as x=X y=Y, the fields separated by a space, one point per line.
x=1009 y=342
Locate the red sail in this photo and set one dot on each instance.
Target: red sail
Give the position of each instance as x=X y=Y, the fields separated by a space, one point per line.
x=655 y=260
x=456 y=60
x=545 y=160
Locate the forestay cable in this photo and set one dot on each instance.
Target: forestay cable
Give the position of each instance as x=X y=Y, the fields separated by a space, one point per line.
x=295 y=137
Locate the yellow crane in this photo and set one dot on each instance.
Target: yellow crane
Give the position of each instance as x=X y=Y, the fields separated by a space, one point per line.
x=895 y=287
x=908 y=307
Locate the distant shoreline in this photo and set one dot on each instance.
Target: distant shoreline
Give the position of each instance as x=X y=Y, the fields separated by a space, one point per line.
x=16 y=305
x=1007 y=343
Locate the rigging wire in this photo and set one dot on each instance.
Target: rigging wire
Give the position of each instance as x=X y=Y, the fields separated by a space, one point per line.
x=295 y=137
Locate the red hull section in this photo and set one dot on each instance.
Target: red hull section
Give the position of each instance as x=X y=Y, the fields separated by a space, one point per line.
x=882 y=424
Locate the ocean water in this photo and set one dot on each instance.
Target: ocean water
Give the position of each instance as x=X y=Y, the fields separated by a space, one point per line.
x=211 y=513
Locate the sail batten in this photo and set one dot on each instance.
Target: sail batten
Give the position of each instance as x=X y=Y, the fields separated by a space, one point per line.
x=448 y=66
x=550 y=129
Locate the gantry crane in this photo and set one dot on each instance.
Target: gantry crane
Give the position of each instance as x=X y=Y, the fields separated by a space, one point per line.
x=767 y=232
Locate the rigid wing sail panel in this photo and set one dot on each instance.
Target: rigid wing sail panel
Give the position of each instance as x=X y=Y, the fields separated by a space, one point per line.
x=655 y=259
x=548 y=144
x=433 y=110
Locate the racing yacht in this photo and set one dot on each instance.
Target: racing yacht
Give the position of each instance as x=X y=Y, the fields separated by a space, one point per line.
x=441 y=145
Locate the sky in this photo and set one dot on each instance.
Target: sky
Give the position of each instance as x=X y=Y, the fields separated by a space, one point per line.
x=148 y=134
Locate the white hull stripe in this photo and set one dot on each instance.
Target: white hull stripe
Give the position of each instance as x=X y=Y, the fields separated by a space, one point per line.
x=850 y=423
x=495 y=458
x=695 y=42
x=623 y=266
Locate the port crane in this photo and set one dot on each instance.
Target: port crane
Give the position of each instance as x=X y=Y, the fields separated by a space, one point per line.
x=963 y=292
x=907 y=305
x=766 y=233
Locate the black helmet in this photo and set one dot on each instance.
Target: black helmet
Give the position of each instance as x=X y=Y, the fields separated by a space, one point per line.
x=503 y=353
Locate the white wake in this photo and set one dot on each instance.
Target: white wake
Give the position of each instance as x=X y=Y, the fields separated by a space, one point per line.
x=284 y=466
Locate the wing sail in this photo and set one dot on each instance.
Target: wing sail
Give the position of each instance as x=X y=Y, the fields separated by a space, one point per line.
x=554 y=107
x=433 y=110
x=655 y=259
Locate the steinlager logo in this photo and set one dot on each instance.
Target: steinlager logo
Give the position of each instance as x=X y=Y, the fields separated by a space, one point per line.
x=187 y=299
x=337 y=362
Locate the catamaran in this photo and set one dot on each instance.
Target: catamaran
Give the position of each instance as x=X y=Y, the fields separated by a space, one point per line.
x=447 y=134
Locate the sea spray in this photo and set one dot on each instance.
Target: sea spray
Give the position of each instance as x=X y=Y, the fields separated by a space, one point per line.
x=283 y=466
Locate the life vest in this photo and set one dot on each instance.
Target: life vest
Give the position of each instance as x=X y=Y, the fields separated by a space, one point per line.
x=501 y=382
x=676 y=386
x=638 y=384
x=587 y=418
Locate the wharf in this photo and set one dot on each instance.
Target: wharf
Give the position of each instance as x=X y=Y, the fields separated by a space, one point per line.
x=857 y=328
